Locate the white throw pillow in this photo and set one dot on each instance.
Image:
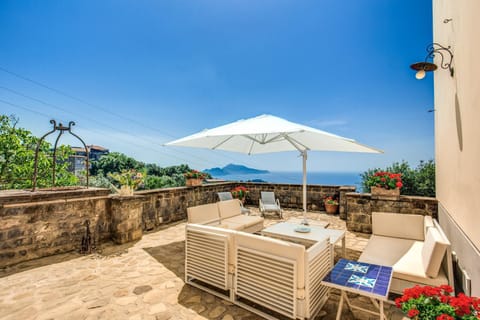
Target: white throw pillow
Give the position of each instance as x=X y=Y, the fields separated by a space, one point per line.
x=433 y=252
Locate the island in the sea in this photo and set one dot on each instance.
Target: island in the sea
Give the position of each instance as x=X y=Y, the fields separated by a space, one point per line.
x=233 y=169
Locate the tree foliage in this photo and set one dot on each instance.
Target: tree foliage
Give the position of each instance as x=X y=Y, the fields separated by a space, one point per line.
x=114 y=162
x=17 y=155
x=419 y=181
x=156 y=176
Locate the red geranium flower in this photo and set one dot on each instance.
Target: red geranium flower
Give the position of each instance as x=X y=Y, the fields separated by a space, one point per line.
x=412 y=313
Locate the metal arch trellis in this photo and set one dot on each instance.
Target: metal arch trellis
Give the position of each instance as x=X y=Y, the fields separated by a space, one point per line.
x=62 y=129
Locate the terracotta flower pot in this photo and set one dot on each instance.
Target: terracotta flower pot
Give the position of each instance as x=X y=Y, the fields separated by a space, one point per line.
x=393 y=194
x=194 y=182
x=125 y=191
x=331 y=208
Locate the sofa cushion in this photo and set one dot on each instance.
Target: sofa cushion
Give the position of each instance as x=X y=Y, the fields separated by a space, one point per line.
x=433 y=251
x=232 y=225
x=229 y=208
x=246 y=221
x=205 y=213
x=405 y=281
x=385 y=251
x=411 y=268
x=398 y=225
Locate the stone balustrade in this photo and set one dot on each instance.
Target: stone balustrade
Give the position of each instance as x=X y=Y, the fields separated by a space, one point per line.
x=46 y=222
x=42 y=223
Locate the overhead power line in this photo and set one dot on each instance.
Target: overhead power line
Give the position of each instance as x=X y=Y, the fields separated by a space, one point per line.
x=85 y=102
x=102 y=133
x=100 y=123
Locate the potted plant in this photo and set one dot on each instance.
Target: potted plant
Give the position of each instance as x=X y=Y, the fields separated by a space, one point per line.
x=129 y=181
x=331 y=204
x=240 y=193
x=385 y=184
x=437 y=303
x=194 y=178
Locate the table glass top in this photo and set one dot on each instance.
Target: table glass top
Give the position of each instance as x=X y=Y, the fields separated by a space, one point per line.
x=370 y=278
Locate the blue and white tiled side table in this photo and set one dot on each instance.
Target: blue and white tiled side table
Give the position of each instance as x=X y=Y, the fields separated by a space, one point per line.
x=366 y=279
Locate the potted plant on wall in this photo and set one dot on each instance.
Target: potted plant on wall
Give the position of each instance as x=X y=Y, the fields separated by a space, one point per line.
x=385 y=184
x=194 y=178
x=129 y=181
x=240 y=193
x=331 y=204
x=437 y=303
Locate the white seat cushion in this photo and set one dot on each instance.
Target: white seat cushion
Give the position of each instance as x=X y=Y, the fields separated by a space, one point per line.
x=411 y=268
x=385 y=251
x=433 y=251
x=246 y=221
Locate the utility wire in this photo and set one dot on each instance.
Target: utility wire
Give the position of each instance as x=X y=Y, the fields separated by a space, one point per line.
x=100 y=123
x=83 y=101
x=102 y=133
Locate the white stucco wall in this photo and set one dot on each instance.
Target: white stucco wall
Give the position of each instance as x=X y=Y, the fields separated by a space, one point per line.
x=457 y=128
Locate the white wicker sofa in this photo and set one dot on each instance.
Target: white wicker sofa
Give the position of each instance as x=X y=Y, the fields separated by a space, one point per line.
x=252 y=270
x=224 y=214
x=414 y=245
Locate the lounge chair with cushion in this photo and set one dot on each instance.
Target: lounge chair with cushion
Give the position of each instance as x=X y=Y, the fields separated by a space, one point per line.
x=224 y=196
x=268 y=203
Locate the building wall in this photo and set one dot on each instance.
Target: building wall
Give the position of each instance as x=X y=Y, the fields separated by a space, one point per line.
x=457 y=131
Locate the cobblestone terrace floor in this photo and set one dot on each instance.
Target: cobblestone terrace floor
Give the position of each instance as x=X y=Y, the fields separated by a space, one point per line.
x=141 y=281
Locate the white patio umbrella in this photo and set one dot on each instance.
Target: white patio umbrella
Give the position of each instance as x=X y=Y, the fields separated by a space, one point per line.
x=267 y=133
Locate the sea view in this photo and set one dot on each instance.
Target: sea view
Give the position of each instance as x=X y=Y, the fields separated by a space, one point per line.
x=295 y=177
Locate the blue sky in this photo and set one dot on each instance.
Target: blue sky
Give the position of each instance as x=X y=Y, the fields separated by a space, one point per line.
x=136 y=74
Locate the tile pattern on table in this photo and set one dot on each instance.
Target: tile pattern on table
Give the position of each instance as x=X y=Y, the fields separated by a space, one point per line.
x=370 y=278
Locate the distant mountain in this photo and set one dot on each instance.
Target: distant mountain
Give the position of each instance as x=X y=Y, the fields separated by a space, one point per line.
x=233 y=169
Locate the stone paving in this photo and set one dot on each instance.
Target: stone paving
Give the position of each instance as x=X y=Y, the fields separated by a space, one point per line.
x=144 y=280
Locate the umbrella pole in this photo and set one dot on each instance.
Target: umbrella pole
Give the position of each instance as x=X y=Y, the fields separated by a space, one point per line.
x=304 y=156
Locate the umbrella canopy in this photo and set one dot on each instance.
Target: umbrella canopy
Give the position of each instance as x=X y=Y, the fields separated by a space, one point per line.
x=267 y=133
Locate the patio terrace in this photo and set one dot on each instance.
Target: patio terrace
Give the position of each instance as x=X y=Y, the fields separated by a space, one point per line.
x=144 y=280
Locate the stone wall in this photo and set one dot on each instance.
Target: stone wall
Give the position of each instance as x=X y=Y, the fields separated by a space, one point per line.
x=169 y=205
x=42 y=223
x=291 y=195
x=361 y=205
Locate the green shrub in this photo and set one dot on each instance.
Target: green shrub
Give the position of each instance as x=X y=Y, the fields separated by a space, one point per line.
x=416 y=182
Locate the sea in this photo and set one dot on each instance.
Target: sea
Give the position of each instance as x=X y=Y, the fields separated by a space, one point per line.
x=295 y=177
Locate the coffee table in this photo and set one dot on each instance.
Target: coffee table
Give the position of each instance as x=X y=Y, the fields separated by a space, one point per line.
x=362 y=278
x=286 y=231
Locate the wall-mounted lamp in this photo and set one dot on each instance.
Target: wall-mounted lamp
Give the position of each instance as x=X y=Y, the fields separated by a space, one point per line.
x=425 y=66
